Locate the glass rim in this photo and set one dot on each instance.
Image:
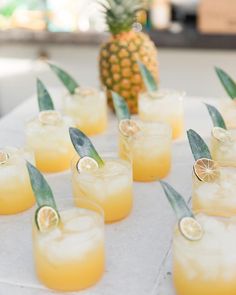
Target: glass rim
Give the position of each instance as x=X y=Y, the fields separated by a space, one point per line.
x=167 y=91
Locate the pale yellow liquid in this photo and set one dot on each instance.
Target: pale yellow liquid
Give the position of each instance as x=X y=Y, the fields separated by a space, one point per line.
x=206 y=267
x=216 y=198
x=151 y=157
x=110 y=187
x=16 y=194
x=88 y=112
x=77 y=273
x=51 y=145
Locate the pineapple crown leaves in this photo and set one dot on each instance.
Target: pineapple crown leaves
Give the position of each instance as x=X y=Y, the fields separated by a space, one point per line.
x=45 y=102
x=121 y=14
x=148 y=79
x=84 y=146
x=41 y=189
x=227 y=82
x=198 y=146
x=176 y=201
x=216 y=116
x=121 y=107
x=65 y=78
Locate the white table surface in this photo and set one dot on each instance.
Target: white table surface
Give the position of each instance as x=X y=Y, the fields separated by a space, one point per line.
x=137 y=247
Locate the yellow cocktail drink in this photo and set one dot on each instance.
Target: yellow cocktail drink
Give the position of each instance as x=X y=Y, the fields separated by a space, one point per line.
x=16 y=194
x=88 y=108
x=207 y=266
x=71 y=256
x=163 y=106
x=228 y=109
x=48 y=136
x=223 y=146
x=217 y=197
x=149 y=149
x=110 y=186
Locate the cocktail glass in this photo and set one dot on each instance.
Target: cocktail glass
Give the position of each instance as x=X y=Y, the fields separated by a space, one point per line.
x=48 y=136
x=110 y=186
x=88 y=108
x=71 y=256
x=163 y=106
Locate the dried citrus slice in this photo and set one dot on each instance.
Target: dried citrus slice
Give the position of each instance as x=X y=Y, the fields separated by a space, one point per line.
x=87 y=164
x=46 y=218
x=129 y=127
x=221 y=134
x=206 y=170
x=49 y=117
x=190 y=228
x=3 y=157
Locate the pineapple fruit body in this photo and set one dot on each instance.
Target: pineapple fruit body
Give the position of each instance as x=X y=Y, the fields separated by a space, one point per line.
x=119 y=70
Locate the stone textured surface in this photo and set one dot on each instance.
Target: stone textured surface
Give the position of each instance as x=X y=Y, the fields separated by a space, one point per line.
x=136 y=247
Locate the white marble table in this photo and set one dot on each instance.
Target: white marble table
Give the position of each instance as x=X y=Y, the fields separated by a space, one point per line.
x=137 y=247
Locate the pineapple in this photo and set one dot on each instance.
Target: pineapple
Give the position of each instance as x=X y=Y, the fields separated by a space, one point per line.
x=119 y=70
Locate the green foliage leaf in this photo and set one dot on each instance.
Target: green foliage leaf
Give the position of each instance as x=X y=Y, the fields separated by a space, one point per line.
x=84 y=146
x=148 y=79
x=121 y=107
x=41 y=189
x=65 y=78
x=198 y=146
x=227 y=82
x=45 y=102
x=176 y=201
x=216 y=116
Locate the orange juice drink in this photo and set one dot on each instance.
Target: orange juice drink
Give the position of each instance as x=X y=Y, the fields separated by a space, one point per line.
x=110 y=186
x=149 y=148
x=163 y=106
x=48 y=136
x=16 y=194
x=71 y=256
x=206 y=266
x=88 y=108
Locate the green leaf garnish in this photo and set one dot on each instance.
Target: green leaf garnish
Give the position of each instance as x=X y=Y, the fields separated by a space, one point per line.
x=176 y=201
x=148 y=79
x=41 y=189
x=198 y=146
x=65 y=78
x=44 y=99
x=227 y=82
x=84 y=146
x=121 y=107
x=216 y=116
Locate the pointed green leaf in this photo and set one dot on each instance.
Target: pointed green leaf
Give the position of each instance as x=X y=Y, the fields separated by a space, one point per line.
x=216 y=116
x=44 y=99
x=176 y=201
x=148 y=79
x=198 y=146
x=41 y=189
x=121 y=107
x=65 y=78
x=227 y=82
x=84 y=146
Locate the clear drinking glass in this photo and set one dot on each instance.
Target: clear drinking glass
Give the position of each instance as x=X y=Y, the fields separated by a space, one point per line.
x=88 y=108
x=149 y=149
x=217 y=197
x=71 y=256
x=207 y=266
x=111 y=186
x=50 y=141
x=163 y=105
x=227 y=108
x=224 y=151
x=16 y=194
